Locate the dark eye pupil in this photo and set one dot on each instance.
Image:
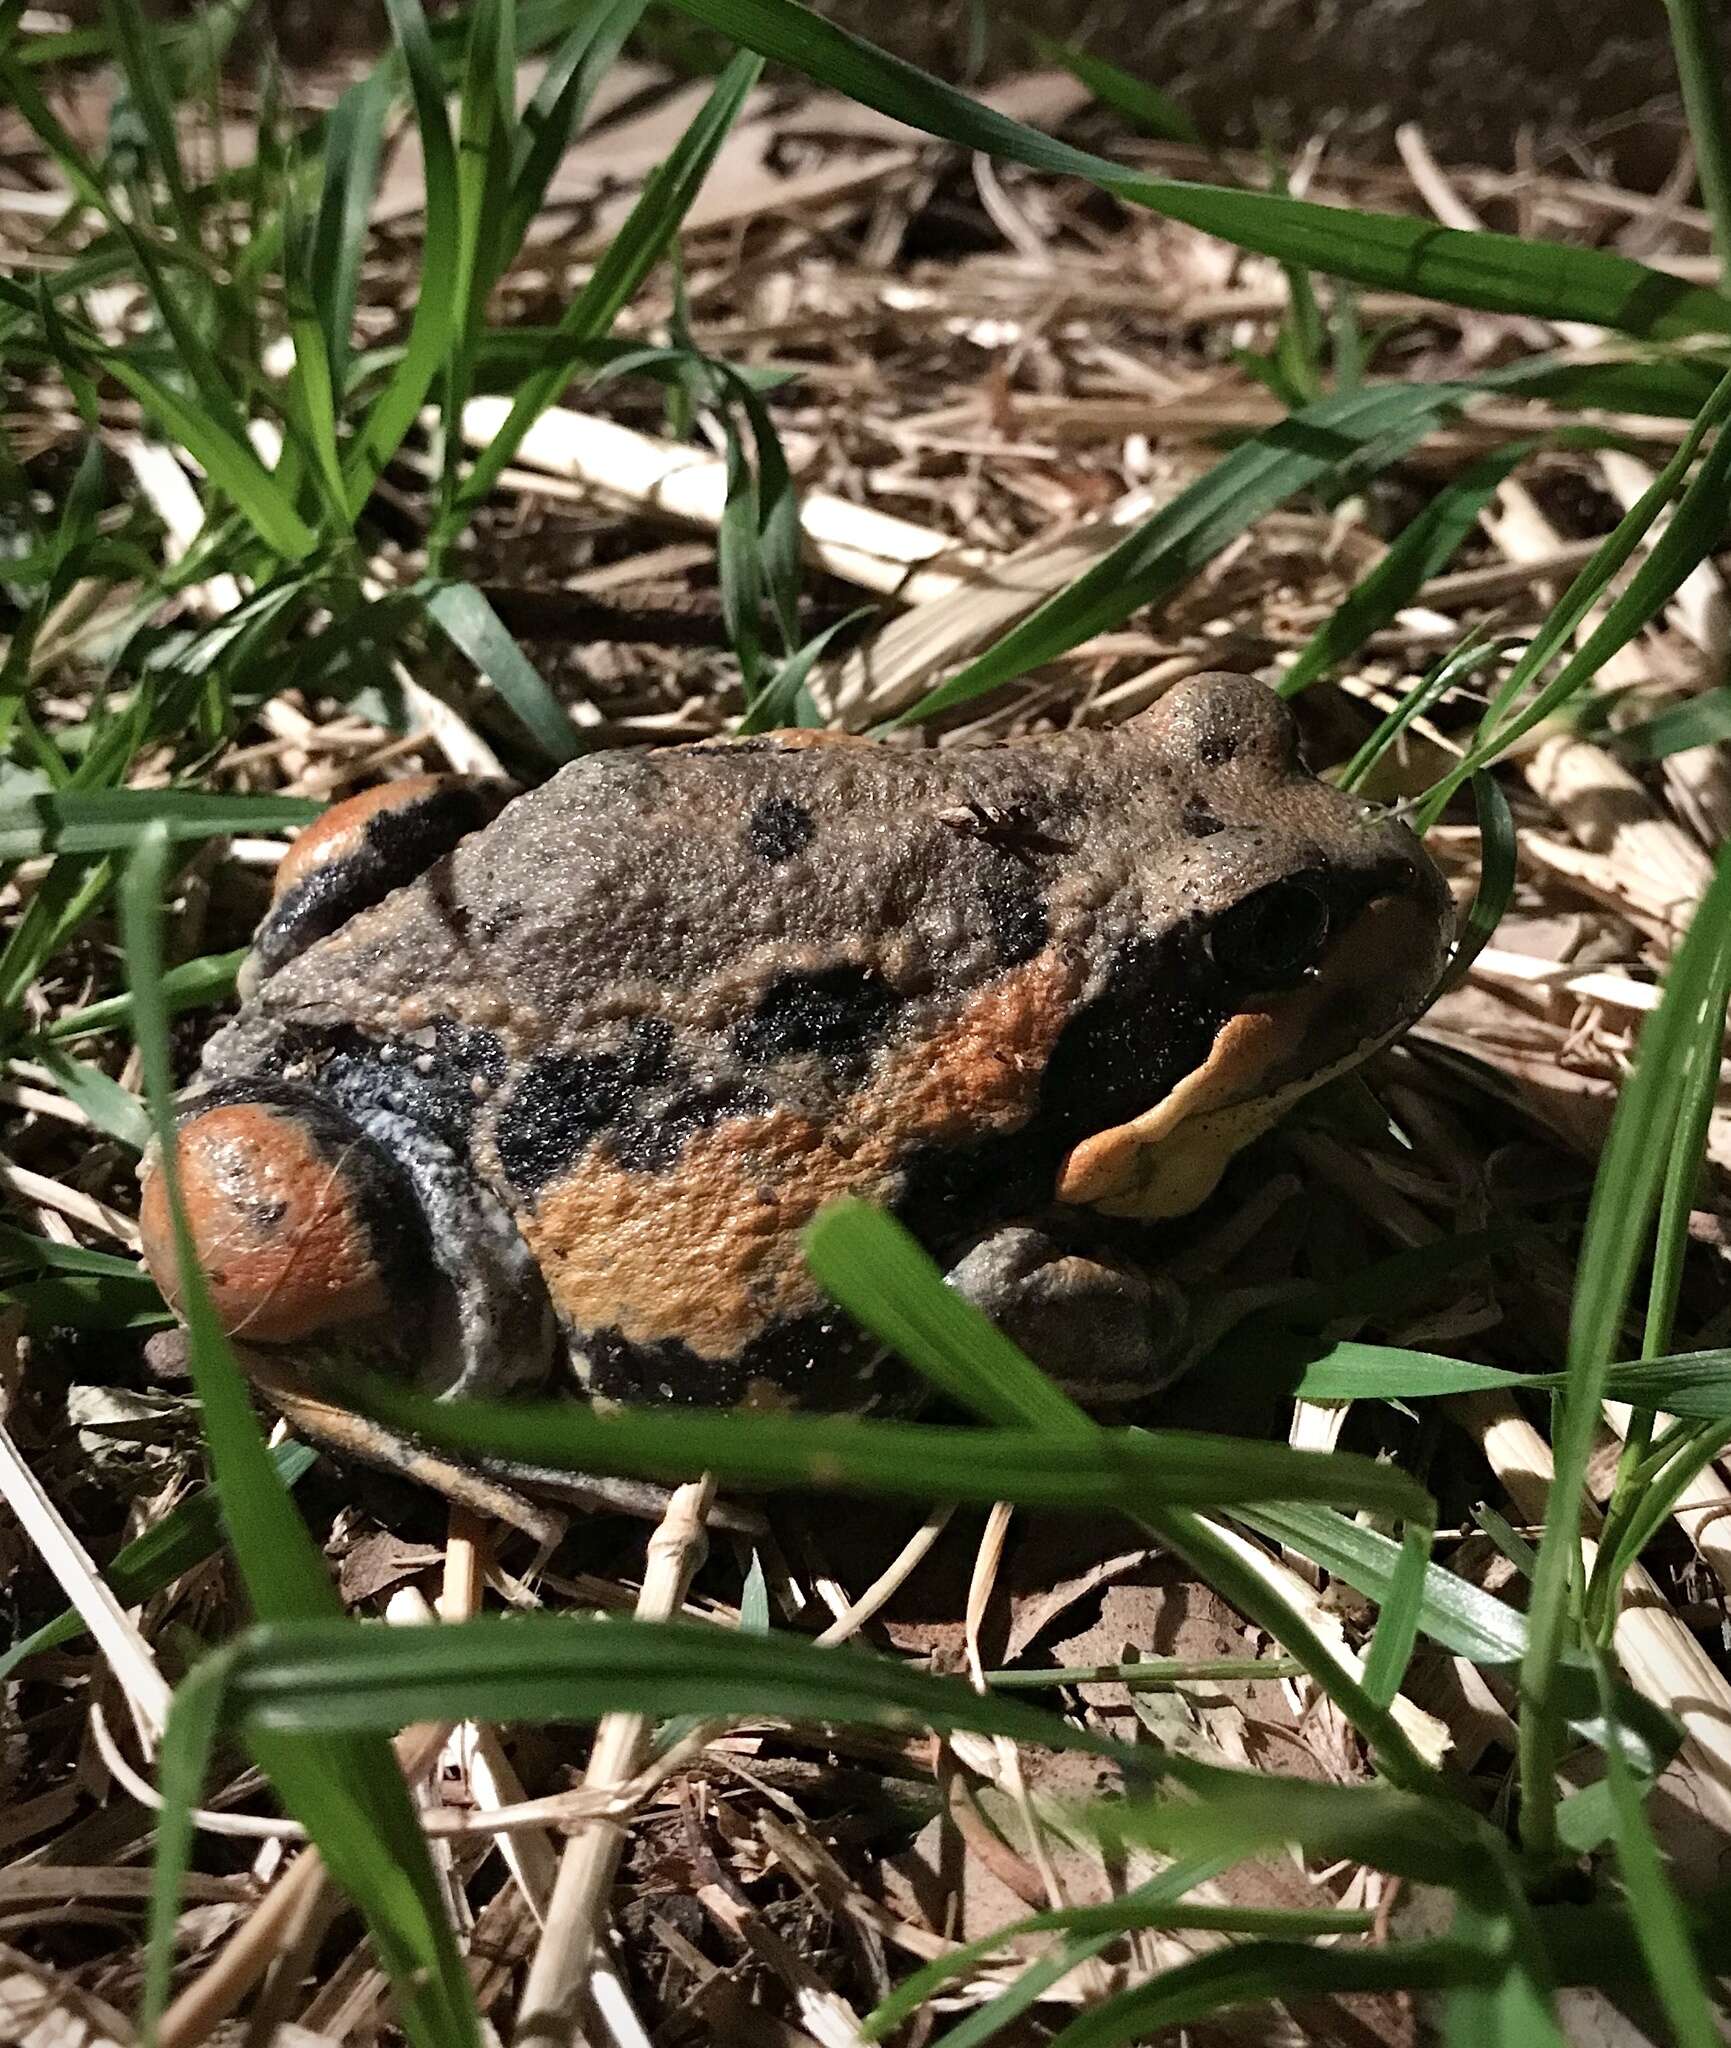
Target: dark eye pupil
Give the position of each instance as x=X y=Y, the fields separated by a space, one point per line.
x=1273 y=936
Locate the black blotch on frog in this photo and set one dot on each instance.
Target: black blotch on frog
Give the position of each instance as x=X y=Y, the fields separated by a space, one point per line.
x=638 y=1100
x=778 y=828
x=840 y=1013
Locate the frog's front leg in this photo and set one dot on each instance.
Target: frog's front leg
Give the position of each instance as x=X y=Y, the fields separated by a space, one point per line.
x=1104 y=1329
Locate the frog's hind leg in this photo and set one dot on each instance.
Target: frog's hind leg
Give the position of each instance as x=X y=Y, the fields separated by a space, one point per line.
x=357 y=853
x=1105 y=1330
x=354 y=1237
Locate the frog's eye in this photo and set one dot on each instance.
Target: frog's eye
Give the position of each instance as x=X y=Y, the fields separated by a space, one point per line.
x=1272 y=937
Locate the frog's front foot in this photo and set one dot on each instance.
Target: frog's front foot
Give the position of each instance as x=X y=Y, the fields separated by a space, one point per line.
x=1103 y=1329
x=354 y=1240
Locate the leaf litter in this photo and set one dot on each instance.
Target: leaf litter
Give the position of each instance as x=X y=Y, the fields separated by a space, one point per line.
x=981 y=378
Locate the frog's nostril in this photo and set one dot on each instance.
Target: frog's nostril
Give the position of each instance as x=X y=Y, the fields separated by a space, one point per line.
x=276 y=1221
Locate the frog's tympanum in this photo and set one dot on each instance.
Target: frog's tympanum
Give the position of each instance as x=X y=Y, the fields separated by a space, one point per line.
x=553 y=1089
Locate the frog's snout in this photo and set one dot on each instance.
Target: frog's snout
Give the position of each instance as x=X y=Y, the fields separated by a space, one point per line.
x=278 y=1211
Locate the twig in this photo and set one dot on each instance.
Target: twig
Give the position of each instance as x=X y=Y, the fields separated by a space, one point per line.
x=560 y=1969
x=128 y=1654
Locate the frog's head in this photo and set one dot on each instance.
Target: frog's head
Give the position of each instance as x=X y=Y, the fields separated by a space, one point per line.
x=1298 y=930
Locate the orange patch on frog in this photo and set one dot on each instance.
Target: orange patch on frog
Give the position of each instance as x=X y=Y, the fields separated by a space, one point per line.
x=283 y=1251
x=708 y=1253
x=342 y=828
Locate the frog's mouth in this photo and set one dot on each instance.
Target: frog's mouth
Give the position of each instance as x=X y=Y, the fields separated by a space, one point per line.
x=1274 y=1049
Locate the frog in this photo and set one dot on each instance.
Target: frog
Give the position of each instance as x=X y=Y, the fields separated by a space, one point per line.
x=542 y=1090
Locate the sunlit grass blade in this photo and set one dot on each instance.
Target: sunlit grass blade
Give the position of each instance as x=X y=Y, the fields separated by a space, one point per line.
x=348 y=1791
x=324 y=1678
x=635 y=250
x=135 y=44
x=880 y=1275
x=1500 y=273
x=1693 y=530
x=559 y=104
x=353 y=138
x=1091 y=1473
x=1654 y=1908
x=465 y=617
x=437 y=307
x=104 y=820
x=1325 y=441
x=1422 y=549
x=1626 y=1193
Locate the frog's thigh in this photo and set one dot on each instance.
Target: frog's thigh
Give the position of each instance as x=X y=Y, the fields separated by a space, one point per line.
x=1103 y=1329
x=357 y=853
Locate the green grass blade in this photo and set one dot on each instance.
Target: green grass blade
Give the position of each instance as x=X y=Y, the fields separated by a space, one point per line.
x=783 y=700
x=1692 y=1384
x=560 y=102
x=110 y=1107
x=312 y=384
x=1241 y=1813
x=229 y=462
x=136 y=44
x=1660 y=1926
x=470 y=623
x=190 y=986
x=1261 y=1973
x=350 y=1792
x=1422 y=550
x=1703 y=721
x=1500 y=273
x=1208 y=1554
x=109 y=820
x=1157 y=1903
x=1325 y=441
x=437 y=307
x=1626 y=1193
x=640 y=244
x=1498 y=857
x=1696 y=37
x=1092 y=1473
x=322 y=1678
x=1693 y=531
x=1454 y=1612
x=882 y=1277
x=1155 y=112
x=353 y=138
x=194 y=1722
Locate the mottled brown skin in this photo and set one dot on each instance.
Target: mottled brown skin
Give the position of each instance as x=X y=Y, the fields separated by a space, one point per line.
x=640 y=1028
